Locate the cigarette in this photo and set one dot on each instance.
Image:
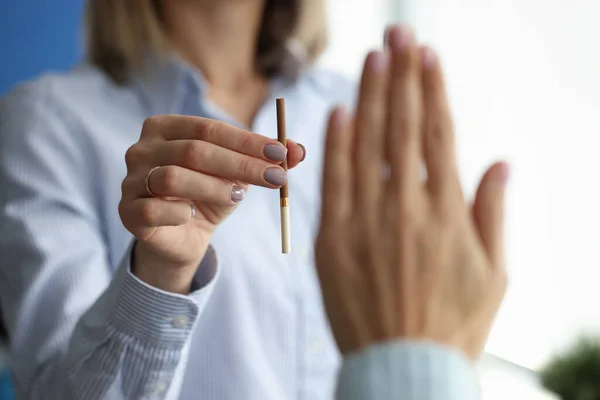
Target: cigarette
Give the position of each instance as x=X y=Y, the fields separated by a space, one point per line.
x=284 y=200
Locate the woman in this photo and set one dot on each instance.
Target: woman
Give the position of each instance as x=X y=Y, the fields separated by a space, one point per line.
x=87 y=317
x=201 y=304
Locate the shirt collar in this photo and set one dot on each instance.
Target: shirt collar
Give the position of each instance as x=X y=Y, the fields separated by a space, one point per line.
x=166 y=82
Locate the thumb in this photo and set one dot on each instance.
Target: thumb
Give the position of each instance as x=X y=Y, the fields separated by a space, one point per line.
x=296 y=153
x=488 y=211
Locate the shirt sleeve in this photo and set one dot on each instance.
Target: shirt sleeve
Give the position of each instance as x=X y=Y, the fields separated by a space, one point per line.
x=407 y=370
x=77 y=329
x=133 y=343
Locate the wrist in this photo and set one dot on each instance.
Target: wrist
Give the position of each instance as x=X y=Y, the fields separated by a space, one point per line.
x=152 y=270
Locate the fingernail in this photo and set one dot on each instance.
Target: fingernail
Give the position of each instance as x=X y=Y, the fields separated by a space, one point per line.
x=275 y=152
x=275 y=176
x=400 y=37
x=377 y=61
x=428 y=58
x=237 y=193
x=303 y=151
x=504 y=173
x=338 y=119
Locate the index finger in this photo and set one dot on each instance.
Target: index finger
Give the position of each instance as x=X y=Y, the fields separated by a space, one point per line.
x=182 y=127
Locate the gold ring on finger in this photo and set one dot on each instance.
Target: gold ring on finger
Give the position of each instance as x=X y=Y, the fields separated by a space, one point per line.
x=148 y=181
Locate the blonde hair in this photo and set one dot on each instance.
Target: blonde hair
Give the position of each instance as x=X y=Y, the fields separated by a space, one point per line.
x=119 y=34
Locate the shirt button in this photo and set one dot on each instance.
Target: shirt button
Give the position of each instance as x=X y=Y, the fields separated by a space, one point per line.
x=161 y=387
x=315 y=344
x=305 y=253
x=180 y=321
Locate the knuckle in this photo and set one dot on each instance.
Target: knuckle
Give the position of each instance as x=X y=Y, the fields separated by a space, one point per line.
x=169 y=180
x=196 y=153
x=440 y=131
x=125 y=186
x=151 y=124
x=245 y=167
x=208 y=129
x=133 y=156
x=149 y=213
x=247 y=143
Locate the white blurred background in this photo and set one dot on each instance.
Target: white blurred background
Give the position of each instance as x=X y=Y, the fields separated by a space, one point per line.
x=524 y=79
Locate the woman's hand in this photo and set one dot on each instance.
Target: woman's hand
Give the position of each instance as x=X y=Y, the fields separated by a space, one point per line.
x=400 y=255
x=204 y=170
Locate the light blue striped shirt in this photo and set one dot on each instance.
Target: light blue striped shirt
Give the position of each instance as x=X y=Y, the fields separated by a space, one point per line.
x=253 y=328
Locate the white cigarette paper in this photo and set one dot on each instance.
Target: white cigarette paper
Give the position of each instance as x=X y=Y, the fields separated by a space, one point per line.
x=286 y=244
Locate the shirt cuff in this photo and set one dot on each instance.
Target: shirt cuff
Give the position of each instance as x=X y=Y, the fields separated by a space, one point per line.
x=408 y=370
x=154 y=315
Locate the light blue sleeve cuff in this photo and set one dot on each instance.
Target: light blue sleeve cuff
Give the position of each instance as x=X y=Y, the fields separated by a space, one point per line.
x=407 y=370
x=157 y=316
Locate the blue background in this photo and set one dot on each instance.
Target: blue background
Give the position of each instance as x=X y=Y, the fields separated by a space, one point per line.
x=38 y=36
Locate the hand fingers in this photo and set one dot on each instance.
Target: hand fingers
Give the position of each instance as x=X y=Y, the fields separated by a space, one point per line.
x=220 y=162
x=403 y=147
x=370 y=123
x=181 y=127
x=405 y=114
x=370 y=128
x=296 y=153
x=142 y=216
x=488 y=211
x=337 y=170
x=438 y=135
x=178 y=182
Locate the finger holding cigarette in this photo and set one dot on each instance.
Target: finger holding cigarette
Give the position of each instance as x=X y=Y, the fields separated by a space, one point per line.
x=296 y=154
